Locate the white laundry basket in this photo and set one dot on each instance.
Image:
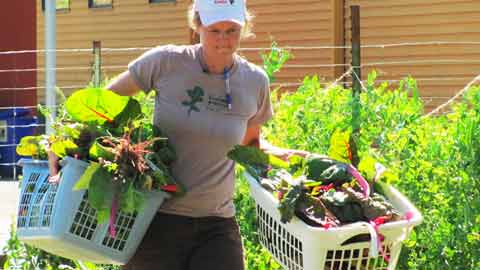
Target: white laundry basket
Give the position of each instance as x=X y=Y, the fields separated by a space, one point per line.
x=298 y=246
x=59 y=220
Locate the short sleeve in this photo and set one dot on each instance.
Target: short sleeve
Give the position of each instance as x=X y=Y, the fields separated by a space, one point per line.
x=149 y=67
x=265 y=110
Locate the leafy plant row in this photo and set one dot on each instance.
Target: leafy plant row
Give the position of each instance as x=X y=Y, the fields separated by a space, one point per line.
x=434 y=161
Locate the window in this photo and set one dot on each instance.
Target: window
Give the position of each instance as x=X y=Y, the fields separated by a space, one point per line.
x=100 y=3
x=162 y=1
x=61 y=5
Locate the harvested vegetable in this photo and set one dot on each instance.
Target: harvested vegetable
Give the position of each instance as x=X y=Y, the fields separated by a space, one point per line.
x=321 y=191
x=127 y=155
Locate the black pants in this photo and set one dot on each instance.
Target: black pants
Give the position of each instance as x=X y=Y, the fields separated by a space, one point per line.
x=183 y=243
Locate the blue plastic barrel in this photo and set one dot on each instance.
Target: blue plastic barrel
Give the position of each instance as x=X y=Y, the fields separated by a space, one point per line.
x=14 y=124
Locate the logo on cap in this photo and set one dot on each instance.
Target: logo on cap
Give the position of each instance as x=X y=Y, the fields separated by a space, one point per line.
x=224 y=1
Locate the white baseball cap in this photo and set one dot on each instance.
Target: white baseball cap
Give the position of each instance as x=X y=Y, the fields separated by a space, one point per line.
x=213 y=11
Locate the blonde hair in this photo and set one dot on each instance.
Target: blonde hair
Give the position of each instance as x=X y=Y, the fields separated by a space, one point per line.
x=194 y=22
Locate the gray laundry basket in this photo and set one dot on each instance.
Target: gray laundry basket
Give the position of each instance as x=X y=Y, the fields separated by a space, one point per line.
x=59 y=220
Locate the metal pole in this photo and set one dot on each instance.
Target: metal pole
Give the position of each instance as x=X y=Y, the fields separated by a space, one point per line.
x=97 y=66
x=356 y=86
x=50 y=60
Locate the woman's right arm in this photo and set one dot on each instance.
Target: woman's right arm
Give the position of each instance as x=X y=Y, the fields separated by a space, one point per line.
x=124 y=85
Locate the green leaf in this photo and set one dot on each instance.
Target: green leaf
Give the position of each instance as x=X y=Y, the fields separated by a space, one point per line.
x=248 y=155
x=103 y=215
x=277 y=163
x=98 y=106
x=87 y=176
x=297 y=165
x=73 y=130
x=339 y=146
x=62 y=148
x=132 y=111
x=29 y=146
x=101 y=190
x=142 y=132
x=367 y=167
x=131 y=200
x=85 y=265
x=274 y=60
x=99 y=151
x=288 y=204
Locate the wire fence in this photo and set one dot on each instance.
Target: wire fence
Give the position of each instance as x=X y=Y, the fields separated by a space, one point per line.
x=11 y=129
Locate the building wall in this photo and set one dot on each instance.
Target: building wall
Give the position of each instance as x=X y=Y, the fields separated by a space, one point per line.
x=298 y=23
x=441 y=70
x=129 y=24
x=18 y=33
x=136 y=23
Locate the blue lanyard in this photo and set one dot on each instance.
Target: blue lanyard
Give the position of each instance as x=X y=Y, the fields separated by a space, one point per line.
x=228 y=93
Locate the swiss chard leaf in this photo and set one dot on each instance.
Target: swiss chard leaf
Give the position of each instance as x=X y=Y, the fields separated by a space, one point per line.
x=87 y=176
x=99 y=106
x=32 y=146
x=131 y=111
x=256 y=159
x=101 y=190
x=62 y=148
x=340 y=146
x=248 y=155
x=103 y=215
x=131 y=200
x=99 y=151
x=290 y=202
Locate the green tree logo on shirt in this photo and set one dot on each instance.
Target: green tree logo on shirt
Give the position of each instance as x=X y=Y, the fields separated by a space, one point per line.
x=196 y=95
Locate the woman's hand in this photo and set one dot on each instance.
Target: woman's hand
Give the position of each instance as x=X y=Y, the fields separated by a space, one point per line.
x=285 y=154
x=53 y=167
x=252 y=138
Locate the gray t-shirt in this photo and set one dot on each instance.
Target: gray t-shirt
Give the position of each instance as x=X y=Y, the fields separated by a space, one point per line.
x=191 y=109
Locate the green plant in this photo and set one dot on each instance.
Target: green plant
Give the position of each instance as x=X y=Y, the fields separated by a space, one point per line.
x=256 y=257
x=434 y=161
x=323 y=193
x=274 y=60
x=25 y=257
x=22 y=256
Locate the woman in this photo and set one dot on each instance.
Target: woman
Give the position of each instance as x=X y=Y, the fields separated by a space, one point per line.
x=208 y=100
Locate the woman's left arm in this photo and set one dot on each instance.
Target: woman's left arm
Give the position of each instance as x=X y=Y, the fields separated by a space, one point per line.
x=252 y=138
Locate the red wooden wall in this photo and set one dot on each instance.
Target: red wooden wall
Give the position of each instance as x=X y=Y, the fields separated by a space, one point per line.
x=17 y=32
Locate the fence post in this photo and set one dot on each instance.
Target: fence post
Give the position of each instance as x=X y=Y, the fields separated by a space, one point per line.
x=356 y=83
x=338 y=36
x=97 y=64
x=356 y=56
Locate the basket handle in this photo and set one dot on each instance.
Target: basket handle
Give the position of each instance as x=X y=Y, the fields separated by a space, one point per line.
x=374 y=239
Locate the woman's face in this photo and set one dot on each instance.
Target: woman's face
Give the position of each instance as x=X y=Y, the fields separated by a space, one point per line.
x=222 y=38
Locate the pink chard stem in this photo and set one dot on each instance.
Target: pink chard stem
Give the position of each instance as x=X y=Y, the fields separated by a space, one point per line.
x=360 y=180
x=113 y=217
